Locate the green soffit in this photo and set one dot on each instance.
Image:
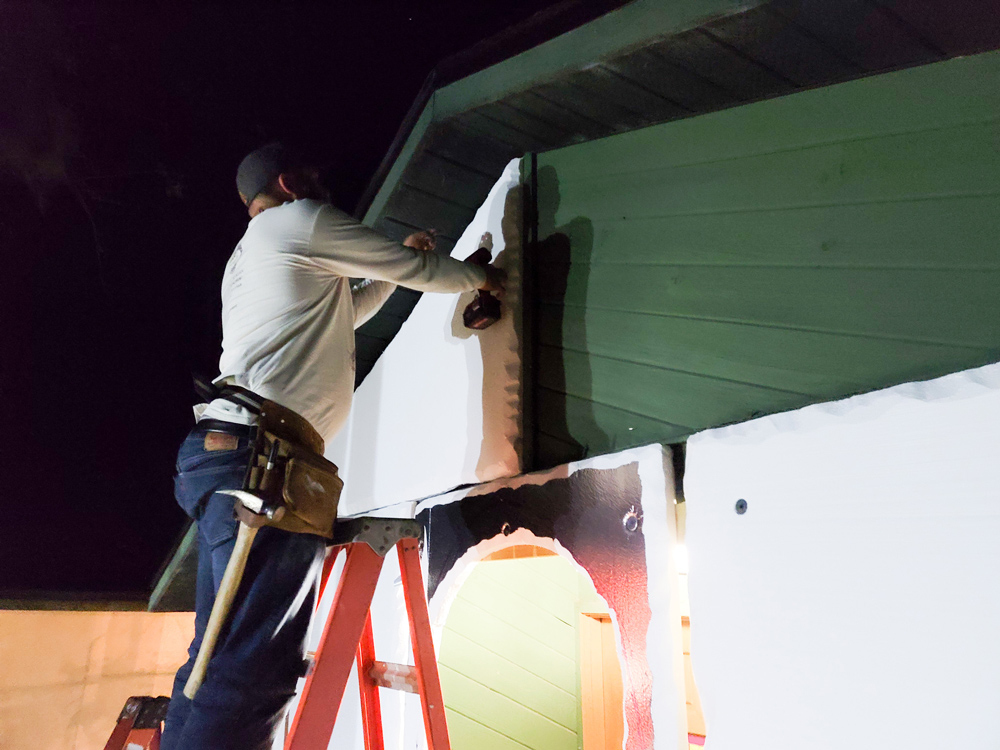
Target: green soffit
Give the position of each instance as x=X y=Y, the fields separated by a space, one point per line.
x=634 y=25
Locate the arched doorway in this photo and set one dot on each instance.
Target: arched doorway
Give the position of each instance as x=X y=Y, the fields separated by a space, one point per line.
x=528 y=657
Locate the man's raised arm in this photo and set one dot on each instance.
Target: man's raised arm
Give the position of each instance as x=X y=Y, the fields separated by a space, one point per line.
x=351 y=249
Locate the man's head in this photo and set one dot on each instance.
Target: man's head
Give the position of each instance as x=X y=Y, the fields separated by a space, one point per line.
x=275 y=174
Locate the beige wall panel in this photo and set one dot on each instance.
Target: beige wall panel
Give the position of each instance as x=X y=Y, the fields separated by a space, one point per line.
x=64 y=676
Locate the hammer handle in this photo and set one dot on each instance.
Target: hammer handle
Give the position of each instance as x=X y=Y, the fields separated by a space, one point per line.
x=220 y=609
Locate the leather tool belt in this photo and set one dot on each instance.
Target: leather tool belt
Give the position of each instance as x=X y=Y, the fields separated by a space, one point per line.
x=288 y=484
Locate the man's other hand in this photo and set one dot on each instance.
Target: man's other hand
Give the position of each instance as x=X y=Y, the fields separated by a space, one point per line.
x=426 y=240
x=496 y=279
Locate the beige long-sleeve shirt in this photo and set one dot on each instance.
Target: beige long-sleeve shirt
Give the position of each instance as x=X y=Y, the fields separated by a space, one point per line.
x=288 y=313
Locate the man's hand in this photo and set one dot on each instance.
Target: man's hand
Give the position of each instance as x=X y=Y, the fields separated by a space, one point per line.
x=426 y=240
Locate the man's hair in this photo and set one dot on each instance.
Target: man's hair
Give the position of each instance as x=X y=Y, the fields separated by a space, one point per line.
x=305 y=182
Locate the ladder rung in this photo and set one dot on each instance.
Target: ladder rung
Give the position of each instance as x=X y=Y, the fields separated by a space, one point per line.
x=396 y=676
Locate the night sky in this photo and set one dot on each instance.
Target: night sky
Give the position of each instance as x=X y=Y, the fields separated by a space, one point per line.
x=120 y=131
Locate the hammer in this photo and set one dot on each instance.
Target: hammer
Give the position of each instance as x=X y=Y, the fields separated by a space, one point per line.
x=234 y=573
x=220 y=609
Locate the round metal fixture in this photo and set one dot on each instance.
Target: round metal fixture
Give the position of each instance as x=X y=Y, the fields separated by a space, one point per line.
x=631 y=521
x=741 y=506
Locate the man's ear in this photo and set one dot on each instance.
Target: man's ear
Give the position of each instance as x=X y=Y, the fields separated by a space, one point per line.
x=289 y=185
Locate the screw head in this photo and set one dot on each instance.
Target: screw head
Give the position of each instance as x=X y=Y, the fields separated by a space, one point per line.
x=741 y=506
x=630 y=522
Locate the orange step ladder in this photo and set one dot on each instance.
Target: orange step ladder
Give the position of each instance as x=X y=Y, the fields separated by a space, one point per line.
x=138 y=726
x=347 y=637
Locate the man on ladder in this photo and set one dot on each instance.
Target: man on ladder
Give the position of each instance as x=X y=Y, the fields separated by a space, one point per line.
x=288 y=316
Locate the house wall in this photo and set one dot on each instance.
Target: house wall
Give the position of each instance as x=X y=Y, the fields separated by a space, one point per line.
x=854 y=601
x=65 y=676
x=762 y=258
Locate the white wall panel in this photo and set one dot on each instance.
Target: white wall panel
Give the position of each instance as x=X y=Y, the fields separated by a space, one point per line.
x=855 y=603
x=442 y=406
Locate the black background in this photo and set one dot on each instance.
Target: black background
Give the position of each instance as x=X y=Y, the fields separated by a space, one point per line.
x=120 y=130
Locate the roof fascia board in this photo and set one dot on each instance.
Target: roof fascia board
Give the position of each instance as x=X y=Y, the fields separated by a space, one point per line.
x=399 y=165
x=635 y=24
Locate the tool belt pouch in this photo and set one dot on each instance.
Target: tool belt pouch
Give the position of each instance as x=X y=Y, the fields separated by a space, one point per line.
x=297 y=489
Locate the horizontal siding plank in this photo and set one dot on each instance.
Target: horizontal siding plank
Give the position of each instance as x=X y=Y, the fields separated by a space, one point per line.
x=513 y=608
x=494 y=710
x=871 y=37
x=961 y=161
x=670 y=396
x=482 y=153
x=776 y=42
x=516 y=140
x=589 y=104
x=559 y=601
x=394 y=230
x=631 y=96
x=546 y=132
x=532 y=654
x=901 y=102
x=600 y=428
x=671 y=81
x=581 y=127
x=439 y=176
x=506 y=677
x=560 y=572
x=552 y=451
x=705 y=56
x=802 y=361
x=419 y=209
x=958 y=27
x=399 y=231
x=946 y=233
x=464 y=732
x=944 y=307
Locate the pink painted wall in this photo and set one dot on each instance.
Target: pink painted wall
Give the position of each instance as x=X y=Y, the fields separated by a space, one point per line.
x=64 y=676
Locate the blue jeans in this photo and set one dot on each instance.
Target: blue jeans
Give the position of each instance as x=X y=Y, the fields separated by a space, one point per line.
x=259 y=655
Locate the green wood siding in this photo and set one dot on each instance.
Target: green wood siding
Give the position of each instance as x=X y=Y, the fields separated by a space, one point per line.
x=509 y=656
x=762 y=258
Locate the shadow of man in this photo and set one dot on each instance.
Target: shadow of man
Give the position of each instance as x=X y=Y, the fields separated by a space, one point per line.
x=564 y=418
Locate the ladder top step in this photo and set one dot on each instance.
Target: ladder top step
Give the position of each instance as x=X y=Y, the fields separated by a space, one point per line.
x=381 y=534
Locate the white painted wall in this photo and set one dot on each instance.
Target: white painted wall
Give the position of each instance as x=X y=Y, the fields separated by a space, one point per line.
x=855 y=604
x=442 y=406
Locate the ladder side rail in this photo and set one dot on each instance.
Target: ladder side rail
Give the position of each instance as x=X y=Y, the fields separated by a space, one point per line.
x=328 y=563
x=139 y=724
x=431 y=698
x=371 y=705
x=326 y=683
x=120 y=734
x=144 y=739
